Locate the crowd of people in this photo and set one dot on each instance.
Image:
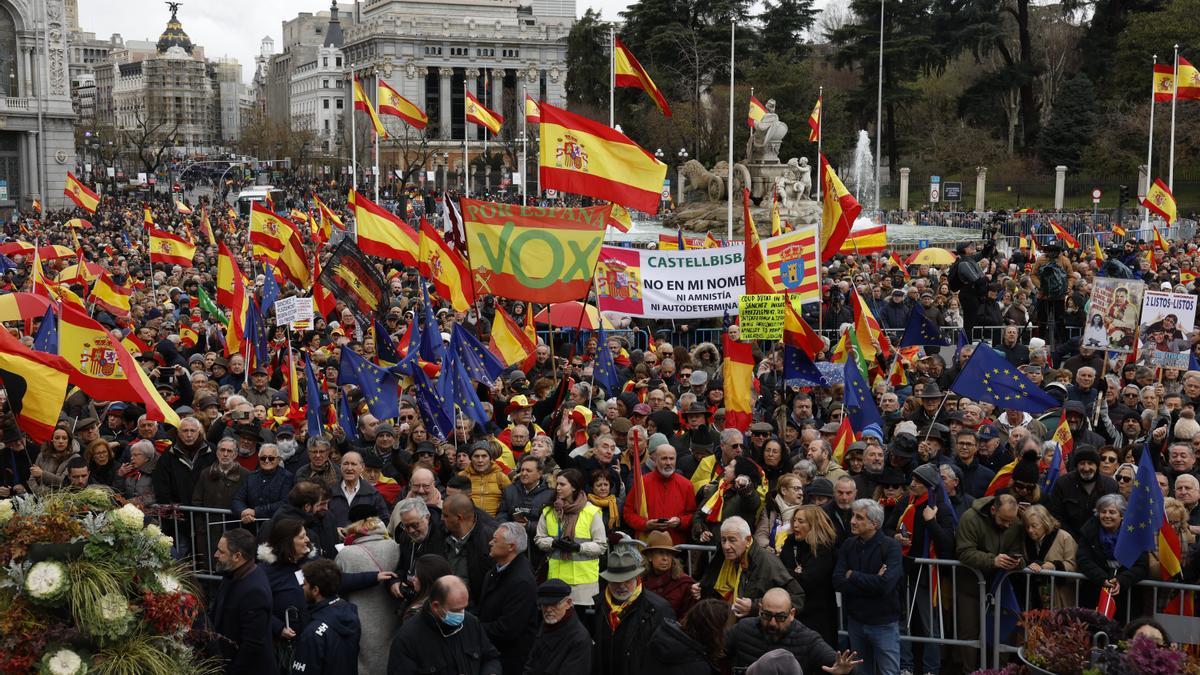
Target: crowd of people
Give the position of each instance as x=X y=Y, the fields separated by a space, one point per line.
x=529 y=544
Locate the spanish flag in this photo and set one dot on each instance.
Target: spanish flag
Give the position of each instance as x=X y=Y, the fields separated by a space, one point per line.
x=869 y=334
x=814 y=122
x=477 y=113
x=1158 y=239
x=361 y=102
x=329 y=219
x=619 y=218
x=758 y=277
x=182 y=209
x=756 y=112
x=188 y=337
x=866 y=241
x=1118 y=230
x=1186 y=276
x=111 y=296
x=80 y=194
x=227 y=268
x=322 y=297
x=1160 y=200
x=1187 y=78
x=239 y=306
x=904 y=268
x=383 y=234
x=392 y=103
x=842 y=440
x=529 y=327
x=293 y=262
x=1002 y=479
x=1164 y=82
x=268 y=232
x=1099 y=252
x=1064 y=236
x=797 y=333
x=147 y=217
x=103 y=368
x=170 y=248
x=36 y=383
x=206 y=228
x=738 y=376
x=445 y=268
x=1170 y=551
x=588 y=158
x=629 y=73
x=838 y=213
x=533 y=113
x=710 y=241
x=509 y=343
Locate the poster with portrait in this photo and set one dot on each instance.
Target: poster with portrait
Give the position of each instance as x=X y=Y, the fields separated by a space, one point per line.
x=1167 y=318
x=1112 y=318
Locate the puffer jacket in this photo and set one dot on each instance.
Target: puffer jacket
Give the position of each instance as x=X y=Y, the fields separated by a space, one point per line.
x=263 y=492
x=746 y=642
x=713 y=366
x=330 y=641
x=487 y=488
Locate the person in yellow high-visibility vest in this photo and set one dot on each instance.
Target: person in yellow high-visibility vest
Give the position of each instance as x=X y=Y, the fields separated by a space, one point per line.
x=571 y=533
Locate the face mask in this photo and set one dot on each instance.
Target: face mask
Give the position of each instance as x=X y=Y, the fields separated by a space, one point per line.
x=454 y=619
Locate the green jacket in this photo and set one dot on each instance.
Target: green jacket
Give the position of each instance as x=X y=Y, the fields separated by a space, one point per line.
x=979 y=540
x=763 y=573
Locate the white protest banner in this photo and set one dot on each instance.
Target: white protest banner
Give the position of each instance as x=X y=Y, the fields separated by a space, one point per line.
x=292 y=310
x=670 y=284
x=1112 y=316
x=1167 y=318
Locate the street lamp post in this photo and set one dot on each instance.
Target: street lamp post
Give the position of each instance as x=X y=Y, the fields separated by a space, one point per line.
x=683 y=157
x=659 y=154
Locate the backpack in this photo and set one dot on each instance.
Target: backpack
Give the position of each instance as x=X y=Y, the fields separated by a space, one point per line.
x=1054 y=280
x=953 y=279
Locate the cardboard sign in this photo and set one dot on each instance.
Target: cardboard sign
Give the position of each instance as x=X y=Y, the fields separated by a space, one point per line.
x=293 y=310
x=1112 y=318
x=761 y=316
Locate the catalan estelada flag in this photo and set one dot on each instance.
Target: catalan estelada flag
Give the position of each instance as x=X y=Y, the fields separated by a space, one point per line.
x=792 y=263
x=36 y=383
x=478 y=113
x=1187 y=78
x=361 y=102
x=392 y=103
x=588 y=158
x=1064 y=236
x=814 y=122
x=445 y=268
x=758 y=277
x=80 y=194
x=627 y=72
x=170 y=248
x=838 y=213
x=1160 y=200
x=268 y=233
x=383 y=234
x=533 y=113
x=1164 y=82
x=756 y=112
x=509 y=343
x=738 y=376
x=866 y=241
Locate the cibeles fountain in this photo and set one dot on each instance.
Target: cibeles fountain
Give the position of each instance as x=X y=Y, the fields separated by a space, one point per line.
x=705 y=205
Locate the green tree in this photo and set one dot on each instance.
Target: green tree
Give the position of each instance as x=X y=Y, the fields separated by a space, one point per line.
x=1149 y=33
x=784 y=23
x=1072 y=125
x=588 y=62
x=1110 y=18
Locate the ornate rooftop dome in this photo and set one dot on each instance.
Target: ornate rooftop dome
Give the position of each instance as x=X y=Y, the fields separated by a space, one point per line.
x=173 y=35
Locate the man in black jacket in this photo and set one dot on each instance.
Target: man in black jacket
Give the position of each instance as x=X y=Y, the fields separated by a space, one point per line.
x=776 y=627
x=467 y=540
x=329 y=643
x=443 y=637
x=563 y=644
x=626 y=614
x=241 y=612
x=507 y=607
x=1073 y=497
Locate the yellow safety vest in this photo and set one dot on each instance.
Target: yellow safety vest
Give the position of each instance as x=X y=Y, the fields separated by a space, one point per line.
x=574 y=572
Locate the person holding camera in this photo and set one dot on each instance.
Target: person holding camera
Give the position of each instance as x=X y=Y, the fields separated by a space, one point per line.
x=1053 y=283
x=968 y=278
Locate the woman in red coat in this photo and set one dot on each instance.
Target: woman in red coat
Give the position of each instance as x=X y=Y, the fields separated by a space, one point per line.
x=664 y=575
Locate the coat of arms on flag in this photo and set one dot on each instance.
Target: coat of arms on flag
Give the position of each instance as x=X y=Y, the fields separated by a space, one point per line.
x=619 y=280
x=792 y=262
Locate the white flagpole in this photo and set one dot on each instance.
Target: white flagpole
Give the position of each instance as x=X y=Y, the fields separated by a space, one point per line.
x=820 y=133
x=732 y=94
x=524 y=140
x=353 y=135
x=878 y=113
x=466 y=140
x=1150 y=151
x=612 y=75
x=1174 y=97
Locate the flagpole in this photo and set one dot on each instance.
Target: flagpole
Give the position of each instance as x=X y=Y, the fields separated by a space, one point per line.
x=1174 y=97
x=524 y=155
x=466 y=140
x=353 y=138
x=820 y=132
x=377 y=139
x=878 y=113
x=612 y=74
x=1150 y=151
x=732 y=93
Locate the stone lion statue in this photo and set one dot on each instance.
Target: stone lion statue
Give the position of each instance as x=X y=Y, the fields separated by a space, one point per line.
x=702 y=183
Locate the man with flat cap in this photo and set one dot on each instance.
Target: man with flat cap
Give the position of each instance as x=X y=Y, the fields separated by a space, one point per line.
x=562 y=644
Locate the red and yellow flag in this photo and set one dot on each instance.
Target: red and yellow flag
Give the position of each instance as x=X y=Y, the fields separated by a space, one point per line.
x=188 y=337
x=293 y=262
x=1187 y=78
x=868 y=332
x=758 y=277
x=1160 y=200
x=776 y=221
x=383 y=234
x=1170 y=551
x=1001 y=480
x=111 y=296
x=79 y=193
x=170 y=248
x=588 y=158
x=36 y=383
x=842 y=440
x=904 y=268
x=619 y=218
x=1186 y=276
x=797 y=333
x=509 y=342
x=814 y=122
x=738 y=376
x=533 y=113
x=479 y=114
x=182 y=209
x=1064 y=236
x=268 y=233
x=1159 y=241
x=710 y=241
x=866 y=241
x=392 y=103
x=1118 y=230
x=1097 y=251
x=442 y=265
x=629 y=73
x=1164 y=82
x=206 y=228
x=1066 y=442
x=361 y=102
x=227 y=268
x=756 y=112
x=239 y=306
x=837 y=214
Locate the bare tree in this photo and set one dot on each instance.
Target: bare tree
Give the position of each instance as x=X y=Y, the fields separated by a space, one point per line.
x=150 y=139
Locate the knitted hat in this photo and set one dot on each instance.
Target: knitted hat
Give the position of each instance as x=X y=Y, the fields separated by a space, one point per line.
x=1026 y=470
x=657 y=440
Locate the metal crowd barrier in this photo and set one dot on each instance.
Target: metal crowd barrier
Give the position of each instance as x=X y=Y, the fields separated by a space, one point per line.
x=993 y=334
x=196 y=530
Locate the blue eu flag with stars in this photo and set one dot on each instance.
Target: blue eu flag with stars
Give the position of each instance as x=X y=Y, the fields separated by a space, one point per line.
x=435 y=408
x=312 y=395
x=271 y=290
x=604 y=371
x=988 y=376
x=921 y=330
x=46 y=339
x=346 y=419
x=1143 y=516
x=430 y=347
x=380 y=388
x=478 y=361
x=860 y=405
x=458 y=390
x=797 y=365
x=384 y=347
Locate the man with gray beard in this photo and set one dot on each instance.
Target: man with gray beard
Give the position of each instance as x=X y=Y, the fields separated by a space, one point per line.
x=670 y=499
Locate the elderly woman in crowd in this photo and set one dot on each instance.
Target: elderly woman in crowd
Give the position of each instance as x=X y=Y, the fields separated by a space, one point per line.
x=664 y=574
x=1096 y=557
x=134 y=478
x=1048 y=547
x=775 y=522
x=368 y=548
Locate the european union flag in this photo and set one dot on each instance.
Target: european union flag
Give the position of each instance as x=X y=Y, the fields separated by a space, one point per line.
x=434 y=407
x=46 y=339
x=471 y=356
x=860 y=405
x=960 y=341
x=1193 y=362
x=312 y=395
x=6 y=264
x=271 y=290
x=346 y=419
x=256 y=336
x=380 y=387
x=456 y=388
x=1052 y=472
x=988 y=376
x=798 y=365
x=1010 y=610
x=921 y=330
x=1143 y=516
x=604 y=371
x=430 y=347
x=384 y=347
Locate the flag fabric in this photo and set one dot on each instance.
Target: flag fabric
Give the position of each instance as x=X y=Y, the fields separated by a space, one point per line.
x=188 y=337
x=268 y=232
x=619 y=218
x=346 y=419
x=1143 y=515
x=639 y=485
x=453 y=229
x=756 y=112
x=270 y=290
x=921 y=330
x=35 y=384
x=445 y=268
x=1064 y=236
x=1064 y=444
x=776 y=221
x=480 y=364
x=293 y=262
x=328 y=217
x=508 y=342
x=430 y=347
x=1118 y=230
x=182 y=209
x=679 y=242
x=312 y=396
x=46 y=338
x=1187 y=80
x=380 y=387
x=814 y=122
x=1170 y=551
x=842 y=440
x=895 y=259
x=871 y=340
x=477 y=113
x=103 y=368
x=1159 y=241
x=758 y=277
x=361 y=102
x=897 y=375
x=227 y=268
x=206 y=304
x=1164 y=82
x=589 y=158
x=792 y=263
x=838 y=212
x=1160 y=200
x=392 y=103
x=627 y=72
x=738 y=376
x=239 y=310
x=798 y=365
x=1186 y=276
x=558 y=268
x=533 y=113
x=865 y=241
x=111 y=296
x=170 y=248
x=351 y=278
x=459 y=392
x=79 y=193
x=433 y=405
x=604 y=370
x=206 y=229
x=988 y=376
x=797 y=333
x=380 y=233
x=1099 y=252
x=710 y=241
x=860 y=405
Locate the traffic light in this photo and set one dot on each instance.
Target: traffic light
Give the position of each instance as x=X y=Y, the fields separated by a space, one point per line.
x=1122 y=200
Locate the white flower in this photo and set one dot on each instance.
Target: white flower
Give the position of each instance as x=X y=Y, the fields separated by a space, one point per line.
x=165 y=542
x=63 y=661
x=6 y=510
x=169 y=582
x=152 y=531
x=128 y=517
x=114 y=608
x=47 y=581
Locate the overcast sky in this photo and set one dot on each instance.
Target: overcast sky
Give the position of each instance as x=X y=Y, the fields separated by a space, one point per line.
x=226 y=27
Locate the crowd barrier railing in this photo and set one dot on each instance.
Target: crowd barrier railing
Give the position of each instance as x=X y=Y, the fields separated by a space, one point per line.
x=196 y=530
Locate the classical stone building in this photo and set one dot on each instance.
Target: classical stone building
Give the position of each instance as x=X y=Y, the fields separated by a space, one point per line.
x=303 y=39
x=319 y=92
x=36 y=117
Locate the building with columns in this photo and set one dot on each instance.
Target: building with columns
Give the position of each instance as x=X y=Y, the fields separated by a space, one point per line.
x=318 y=90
